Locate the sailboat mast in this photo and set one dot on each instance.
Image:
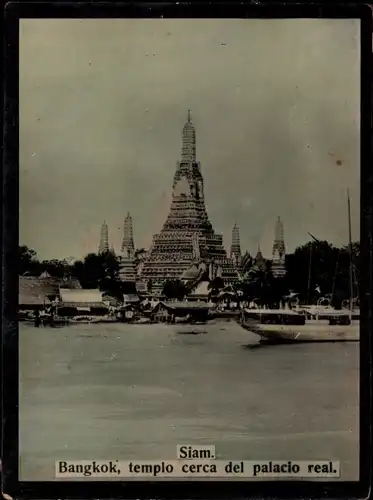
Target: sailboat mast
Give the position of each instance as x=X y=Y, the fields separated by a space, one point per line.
x=350 y=248
x=309 y=274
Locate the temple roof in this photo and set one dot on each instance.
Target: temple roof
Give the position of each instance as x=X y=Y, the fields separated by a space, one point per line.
x=44 y=275
x=80 y=296
x=202 y=289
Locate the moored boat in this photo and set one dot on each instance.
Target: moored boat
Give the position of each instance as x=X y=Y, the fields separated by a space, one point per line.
x=321 y=323
x=291 y=326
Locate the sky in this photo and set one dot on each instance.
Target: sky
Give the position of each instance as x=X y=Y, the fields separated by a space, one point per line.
x=275 y=103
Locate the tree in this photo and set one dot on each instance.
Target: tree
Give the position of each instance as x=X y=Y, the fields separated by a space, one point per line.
x=56 y=268
x=259 y=285
x=98 y=271
x=310 y=268
x=318 y=269
x=27 y=261
x=174 y=289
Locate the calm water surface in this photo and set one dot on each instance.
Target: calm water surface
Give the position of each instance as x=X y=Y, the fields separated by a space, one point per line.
x=125 y=392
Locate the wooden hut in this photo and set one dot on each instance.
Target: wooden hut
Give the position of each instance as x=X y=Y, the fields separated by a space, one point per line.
x=170 y=312
x=80 y=302
x=131 y=298
x=52 y=284
x=31 y=294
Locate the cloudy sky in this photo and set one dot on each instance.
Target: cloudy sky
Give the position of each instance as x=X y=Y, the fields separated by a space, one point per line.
x=276 y=105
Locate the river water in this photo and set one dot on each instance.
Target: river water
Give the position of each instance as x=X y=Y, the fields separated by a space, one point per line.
x=117 y=391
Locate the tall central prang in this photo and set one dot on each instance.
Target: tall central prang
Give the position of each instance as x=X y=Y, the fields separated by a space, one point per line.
x=187 y=238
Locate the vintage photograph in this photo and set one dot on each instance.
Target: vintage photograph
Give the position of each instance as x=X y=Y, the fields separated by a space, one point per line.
x=189 y=242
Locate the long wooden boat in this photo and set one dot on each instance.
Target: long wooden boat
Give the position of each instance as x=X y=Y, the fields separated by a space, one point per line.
x=283 y=326
x=324 y=324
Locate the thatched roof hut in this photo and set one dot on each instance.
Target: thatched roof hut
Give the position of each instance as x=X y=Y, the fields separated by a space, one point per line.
x=168 y=311
x=32 y=294
x=81 y=298
x=52 y=284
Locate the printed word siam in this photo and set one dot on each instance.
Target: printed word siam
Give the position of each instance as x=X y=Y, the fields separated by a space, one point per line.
x=187 y=237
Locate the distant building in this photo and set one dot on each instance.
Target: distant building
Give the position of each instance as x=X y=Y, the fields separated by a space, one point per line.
x=36 y=293
x=259 y=260
x=246 y=262
x=128 y=246
x=130 y=298
x=81 y=302
x=278 y=251
x=236 y=255
x=104 y=239
x=31 y=294
x=127 y=267
x=169 y=312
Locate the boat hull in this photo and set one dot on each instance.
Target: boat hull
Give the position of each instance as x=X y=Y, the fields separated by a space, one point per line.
x=310 y=332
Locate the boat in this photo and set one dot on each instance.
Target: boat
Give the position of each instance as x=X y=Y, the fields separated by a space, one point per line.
x=307 y=323
x=142 y=321
x=284 y=326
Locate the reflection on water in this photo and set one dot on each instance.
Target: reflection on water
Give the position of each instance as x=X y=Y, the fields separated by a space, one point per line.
x=136 y=391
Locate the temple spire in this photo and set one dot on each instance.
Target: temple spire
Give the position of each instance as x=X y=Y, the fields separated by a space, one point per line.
x=278 y=244
x=236 y=246
x=188 y=150
x=259 y=259
x=128 y=246
x=104 y=239
x=278 y=250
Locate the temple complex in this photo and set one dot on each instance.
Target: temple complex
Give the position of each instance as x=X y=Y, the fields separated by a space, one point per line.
x=127 y=270
x=278 y=251
x=104 y=239
x=187 y=238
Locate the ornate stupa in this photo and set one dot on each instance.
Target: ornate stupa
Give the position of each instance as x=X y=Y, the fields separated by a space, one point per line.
x=187 y=236
x=236 y=255
x=278 y=251
x=104 y=239
x=259 y=260
x=127 y=270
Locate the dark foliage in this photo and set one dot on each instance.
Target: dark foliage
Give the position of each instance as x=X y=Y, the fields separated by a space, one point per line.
x=316 y=269
x=174 y=290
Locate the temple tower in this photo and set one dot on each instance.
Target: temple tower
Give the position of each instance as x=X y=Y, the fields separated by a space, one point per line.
x=187 y=234
x=104 y=239
x=278 y=251
x=196 y=249
x=127 y=271
x=260 y=260
x=236 y=255
x=188 y=150
x=128 y=247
